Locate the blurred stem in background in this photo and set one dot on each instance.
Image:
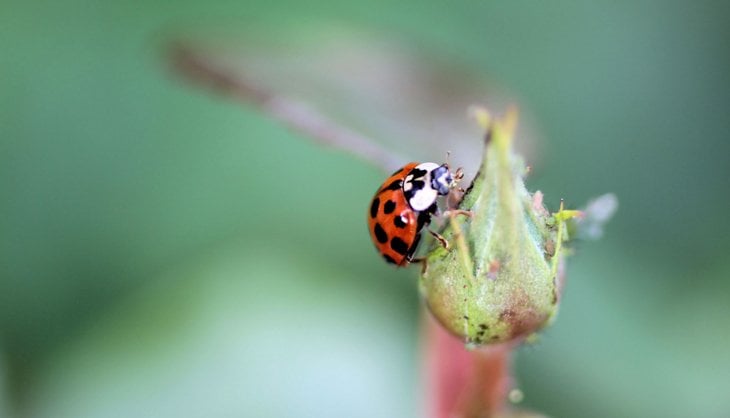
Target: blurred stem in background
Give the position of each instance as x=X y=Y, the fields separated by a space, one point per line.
x=193 y=63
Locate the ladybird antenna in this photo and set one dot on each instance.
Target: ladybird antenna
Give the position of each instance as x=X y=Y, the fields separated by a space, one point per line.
x=196 y=66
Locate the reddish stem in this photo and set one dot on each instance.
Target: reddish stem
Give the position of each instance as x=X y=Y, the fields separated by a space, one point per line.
x=465 y=383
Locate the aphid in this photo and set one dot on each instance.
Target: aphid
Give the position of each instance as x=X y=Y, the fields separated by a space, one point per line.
x=403 y=206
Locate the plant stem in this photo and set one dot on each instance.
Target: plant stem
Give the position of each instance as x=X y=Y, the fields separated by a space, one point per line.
x=465 y=383
x=200 y=68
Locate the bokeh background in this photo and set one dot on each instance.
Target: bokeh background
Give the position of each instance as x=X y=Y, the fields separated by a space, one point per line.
x=162 y=255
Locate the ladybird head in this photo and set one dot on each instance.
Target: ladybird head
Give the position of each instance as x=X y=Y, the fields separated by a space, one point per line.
x=425 y=182
x=441 y=179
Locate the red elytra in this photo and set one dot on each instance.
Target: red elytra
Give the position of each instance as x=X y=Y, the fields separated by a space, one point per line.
x=394 y=225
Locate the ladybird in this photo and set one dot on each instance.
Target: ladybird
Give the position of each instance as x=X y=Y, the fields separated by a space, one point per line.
x=403 y=206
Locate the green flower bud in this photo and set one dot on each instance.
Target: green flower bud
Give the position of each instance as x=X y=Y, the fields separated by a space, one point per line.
x=499 y=277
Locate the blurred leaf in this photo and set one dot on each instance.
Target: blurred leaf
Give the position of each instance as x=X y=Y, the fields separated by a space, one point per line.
x=4 y=398
x=240 y=334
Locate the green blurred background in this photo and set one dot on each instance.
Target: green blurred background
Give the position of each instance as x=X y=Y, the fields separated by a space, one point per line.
x=160 y=254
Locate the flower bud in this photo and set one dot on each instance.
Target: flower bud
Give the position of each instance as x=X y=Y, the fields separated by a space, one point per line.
x=499 y=277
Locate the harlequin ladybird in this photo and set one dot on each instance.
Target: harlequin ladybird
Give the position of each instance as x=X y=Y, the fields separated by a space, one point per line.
x=403 y=205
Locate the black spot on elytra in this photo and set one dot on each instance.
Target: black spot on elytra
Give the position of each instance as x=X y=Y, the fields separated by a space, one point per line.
x=380 y=234
x=399 y=246
x=389 y=207
x=389 y=259
x=374 y=207
x=394 y=185
x=398 y=221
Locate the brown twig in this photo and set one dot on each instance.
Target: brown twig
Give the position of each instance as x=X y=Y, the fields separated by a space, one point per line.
x=197 y=67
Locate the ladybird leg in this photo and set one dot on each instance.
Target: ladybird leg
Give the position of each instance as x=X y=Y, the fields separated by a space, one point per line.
x=455 y=212
x=458 y=175
x=456 y=194
x=461 y=245
x=424 y=266
x=444 y=243
x=454 y=198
